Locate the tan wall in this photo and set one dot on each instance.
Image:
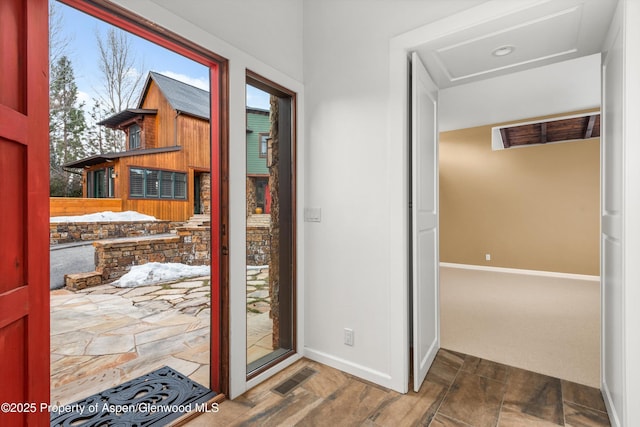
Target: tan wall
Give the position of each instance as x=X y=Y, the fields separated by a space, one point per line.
x=533 y=208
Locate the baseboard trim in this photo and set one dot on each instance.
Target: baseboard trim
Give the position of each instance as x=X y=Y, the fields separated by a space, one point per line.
x=521 y=271
x=611 y=409
x=376 y=377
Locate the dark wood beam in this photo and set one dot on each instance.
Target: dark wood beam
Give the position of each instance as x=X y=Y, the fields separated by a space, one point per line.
x=505 y=137
x=543 y=133
x=589 y=132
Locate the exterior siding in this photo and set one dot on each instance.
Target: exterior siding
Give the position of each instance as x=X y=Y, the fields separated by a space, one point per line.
x=165 y=122
x=194 y=137
x=149 y=139
x=171 y=210
x=166 y=129
x=257 y=122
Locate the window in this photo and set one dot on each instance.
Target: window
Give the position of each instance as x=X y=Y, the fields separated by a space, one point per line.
x=263 y=139
x=136 y=183
x=134 y=137
x=166 y=186
x=180 y=186
x=156 y=184
x=110 y=182
x=100 y=183
x=275 y=260
x=152 y=185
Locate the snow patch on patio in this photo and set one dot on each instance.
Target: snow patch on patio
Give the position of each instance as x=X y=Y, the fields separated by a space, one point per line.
x=155 y=272
x=106 y=216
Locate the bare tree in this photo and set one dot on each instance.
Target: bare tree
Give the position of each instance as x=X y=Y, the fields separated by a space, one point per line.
x=120 y=78
x=59 y=40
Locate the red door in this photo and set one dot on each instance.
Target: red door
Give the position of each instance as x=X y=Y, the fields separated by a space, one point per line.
x=24 y=212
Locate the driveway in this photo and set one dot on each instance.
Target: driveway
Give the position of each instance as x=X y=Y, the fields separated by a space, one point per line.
x=70 y=258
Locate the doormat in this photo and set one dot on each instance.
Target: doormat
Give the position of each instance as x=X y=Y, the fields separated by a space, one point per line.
x=154 y=399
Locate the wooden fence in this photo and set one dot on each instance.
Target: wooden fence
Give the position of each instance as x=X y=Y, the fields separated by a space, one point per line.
x=63 y=206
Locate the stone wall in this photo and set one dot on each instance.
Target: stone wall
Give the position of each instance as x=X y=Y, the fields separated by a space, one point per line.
x=191 y=246
x=258 y=245
x=69 y=232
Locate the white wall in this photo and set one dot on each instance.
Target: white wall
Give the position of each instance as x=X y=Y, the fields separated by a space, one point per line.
x=270 y=31
x=557 y=88
x=356 y=170
x=348 y=272
x=280 y=47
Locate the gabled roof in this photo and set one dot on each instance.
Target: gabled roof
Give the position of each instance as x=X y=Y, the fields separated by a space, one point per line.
x=182 y=97
x=109 y=157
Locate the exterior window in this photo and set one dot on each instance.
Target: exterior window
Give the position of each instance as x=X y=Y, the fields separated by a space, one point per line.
x=136 y=183
x=180 y=186
x=100 y=183
x=152 y=185
x=166 y=186
x=134 y=137
x=110 y=182
x=156 y=184
x=263 y=142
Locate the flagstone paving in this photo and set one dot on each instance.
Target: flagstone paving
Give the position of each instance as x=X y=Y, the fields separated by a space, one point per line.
x=103 y=336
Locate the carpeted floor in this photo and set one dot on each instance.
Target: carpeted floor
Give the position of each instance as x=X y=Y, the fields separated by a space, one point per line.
x=543 y=324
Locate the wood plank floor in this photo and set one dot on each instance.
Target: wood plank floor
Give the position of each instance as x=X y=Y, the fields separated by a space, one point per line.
x=459 y=390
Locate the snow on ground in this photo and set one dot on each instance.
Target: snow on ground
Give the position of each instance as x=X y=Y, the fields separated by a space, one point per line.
x=155 y=272
x=106 y=216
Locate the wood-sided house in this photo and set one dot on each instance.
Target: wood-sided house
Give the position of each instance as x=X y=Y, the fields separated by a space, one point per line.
x=258 y=131
x=165 y=169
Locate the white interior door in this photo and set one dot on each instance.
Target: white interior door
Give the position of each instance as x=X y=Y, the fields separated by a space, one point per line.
x=424 y=201
x=612 y=206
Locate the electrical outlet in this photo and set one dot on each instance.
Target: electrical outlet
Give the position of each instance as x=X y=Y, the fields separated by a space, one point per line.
x=487 y=257
x=348 y=336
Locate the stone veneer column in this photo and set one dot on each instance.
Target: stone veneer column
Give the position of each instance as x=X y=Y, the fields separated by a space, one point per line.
x=274 y=262
x=251 y=196
x=205 y=193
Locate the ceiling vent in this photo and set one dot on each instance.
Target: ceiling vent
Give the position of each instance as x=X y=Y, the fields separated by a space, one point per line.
x=559 y=129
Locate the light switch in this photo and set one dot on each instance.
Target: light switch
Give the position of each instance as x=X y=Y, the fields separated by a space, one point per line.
x=312 y=214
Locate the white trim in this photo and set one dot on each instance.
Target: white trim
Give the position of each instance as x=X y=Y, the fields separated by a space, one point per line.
x=631 y=213
x=608 y=403
x=358 y=370
x=556 y=274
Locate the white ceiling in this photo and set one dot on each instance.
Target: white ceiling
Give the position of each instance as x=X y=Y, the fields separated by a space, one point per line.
x=542 y=34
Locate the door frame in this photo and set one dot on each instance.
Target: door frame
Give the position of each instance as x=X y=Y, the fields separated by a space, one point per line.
x=24 y=286
x=399 y=159
x=219 y=104
x=288 y=267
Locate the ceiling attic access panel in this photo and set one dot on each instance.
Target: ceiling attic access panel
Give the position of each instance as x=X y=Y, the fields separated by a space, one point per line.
x=562 y=129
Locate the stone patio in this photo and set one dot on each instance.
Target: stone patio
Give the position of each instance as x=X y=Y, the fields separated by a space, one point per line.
x=104 y=336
